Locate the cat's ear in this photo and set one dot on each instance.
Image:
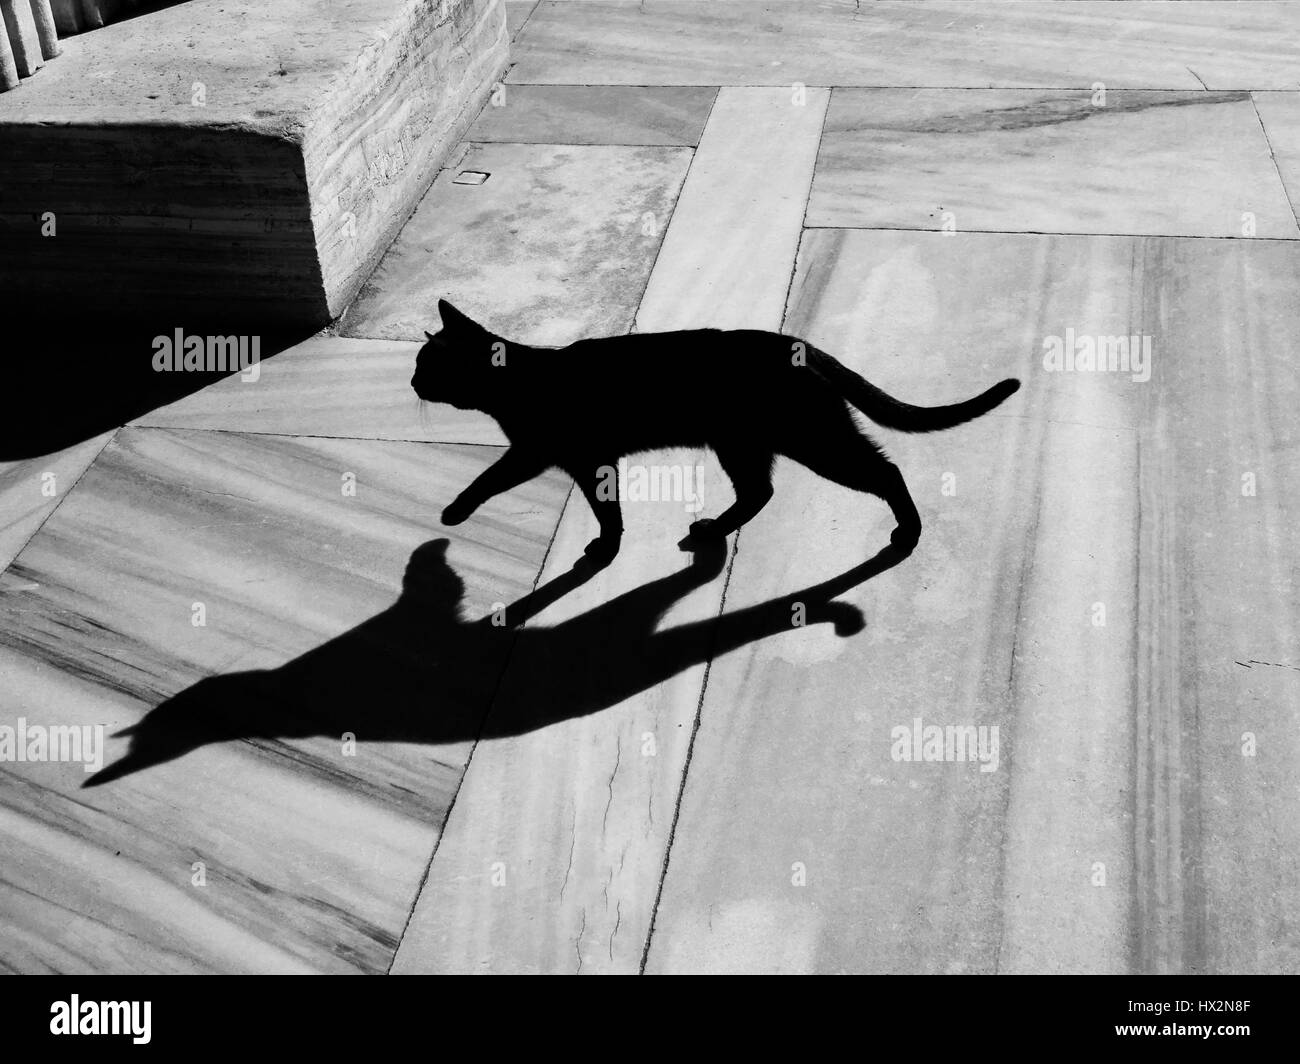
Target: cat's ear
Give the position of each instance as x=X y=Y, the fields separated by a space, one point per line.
x=453 y=318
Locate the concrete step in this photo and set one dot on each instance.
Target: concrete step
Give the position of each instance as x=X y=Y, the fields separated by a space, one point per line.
x=236 y=161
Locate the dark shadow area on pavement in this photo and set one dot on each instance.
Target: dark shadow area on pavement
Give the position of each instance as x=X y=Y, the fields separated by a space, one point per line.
x=75 y=378
x=418 y=672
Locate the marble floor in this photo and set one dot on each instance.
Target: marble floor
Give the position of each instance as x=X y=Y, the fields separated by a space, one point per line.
x=555 y=245
x=1141 y=162
x=341 y=737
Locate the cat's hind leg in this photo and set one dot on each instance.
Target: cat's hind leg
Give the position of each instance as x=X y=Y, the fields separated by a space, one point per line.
x=750 y=474
x=844 y=455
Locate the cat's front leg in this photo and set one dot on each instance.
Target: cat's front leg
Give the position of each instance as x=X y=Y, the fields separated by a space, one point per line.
x=509 y=471
x=458 y=510
x=705 y=530
x=750 y=473
x=599 y=488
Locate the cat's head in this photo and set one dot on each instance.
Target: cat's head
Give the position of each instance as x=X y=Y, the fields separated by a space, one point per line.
x=455 y=365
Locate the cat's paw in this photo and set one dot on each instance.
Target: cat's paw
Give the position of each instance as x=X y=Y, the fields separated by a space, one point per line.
x=601 y=550
x=847 y=618
x=708 y=556
x=702 y=534
x=905 y=538
x=706 y=528
x=456 y=513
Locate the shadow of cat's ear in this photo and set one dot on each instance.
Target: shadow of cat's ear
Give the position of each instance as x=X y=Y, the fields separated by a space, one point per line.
x=430 y=576
x=433 y=551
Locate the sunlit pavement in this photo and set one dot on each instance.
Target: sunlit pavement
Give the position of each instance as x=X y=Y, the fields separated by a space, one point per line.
x=1064 y=738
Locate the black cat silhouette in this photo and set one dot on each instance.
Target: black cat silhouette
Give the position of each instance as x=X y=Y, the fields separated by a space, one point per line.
x=746 y=395
x=420 y=672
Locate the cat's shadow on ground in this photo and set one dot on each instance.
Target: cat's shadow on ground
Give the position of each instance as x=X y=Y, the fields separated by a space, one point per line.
x=418 y=672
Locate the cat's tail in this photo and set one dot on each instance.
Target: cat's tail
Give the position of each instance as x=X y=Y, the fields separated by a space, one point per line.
x=885 y=410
